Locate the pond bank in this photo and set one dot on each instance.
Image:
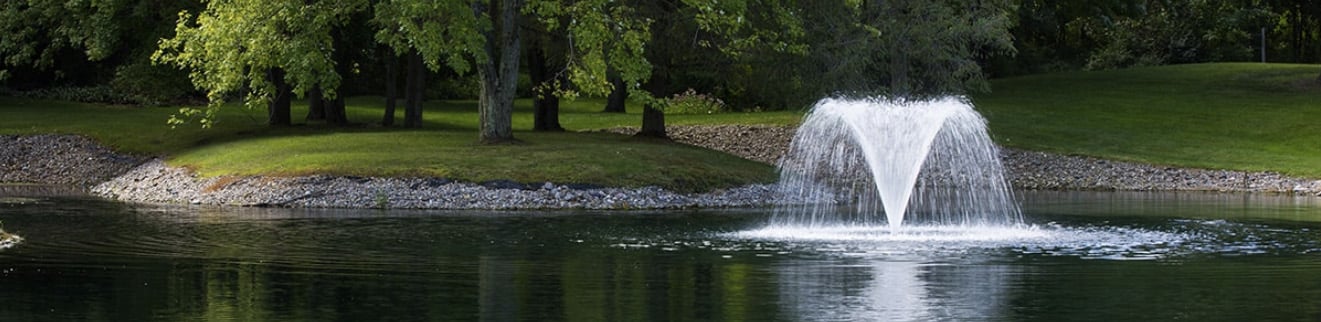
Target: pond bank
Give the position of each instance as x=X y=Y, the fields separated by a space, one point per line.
x=1027 y=170
x=72 y=160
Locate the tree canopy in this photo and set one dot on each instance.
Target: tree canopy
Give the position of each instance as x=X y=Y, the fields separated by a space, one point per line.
x=753 y=54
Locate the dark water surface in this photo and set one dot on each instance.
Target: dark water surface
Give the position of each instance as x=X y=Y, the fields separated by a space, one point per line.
x=1085 y=256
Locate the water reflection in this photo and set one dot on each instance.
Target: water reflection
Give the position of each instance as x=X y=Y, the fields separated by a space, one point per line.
x=1174 y=204
x=92 y=260
x=886 y=290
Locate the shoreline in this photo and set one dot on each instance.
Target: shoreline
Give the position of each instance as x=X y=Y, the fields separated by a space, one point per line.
x=78 y=161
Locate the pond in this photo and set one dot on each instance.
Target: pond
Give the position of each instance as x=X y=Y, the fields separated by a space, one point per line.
x=1083 y=256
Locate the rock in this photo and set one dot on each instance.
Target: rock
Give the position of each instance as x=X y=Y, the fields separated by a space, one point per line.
x=504 y=184
x=60 y=159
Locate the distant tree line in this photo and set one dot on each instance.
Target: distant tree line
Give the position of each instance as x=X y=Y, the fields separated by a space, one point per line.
x=753 y=54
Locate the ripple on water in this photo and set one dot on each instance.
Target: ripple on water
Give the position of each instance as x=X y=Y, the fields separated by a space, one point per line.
x=1176 y=238
x=8 y=240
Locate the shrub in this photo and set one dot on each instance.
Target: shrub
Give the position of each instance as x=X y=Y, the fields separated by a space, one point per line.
x=691 y=102
x=147 y=84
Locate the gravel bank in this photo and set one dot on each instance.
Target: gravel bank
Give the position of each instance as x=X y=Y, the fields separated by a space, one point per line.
x=158 y=183
x=71 y=160
x=1026 y=170
x=60 y=160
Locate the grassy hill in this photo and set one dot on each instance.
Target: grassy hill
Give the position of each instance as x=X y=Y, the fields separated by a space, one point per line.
x=240 y=144
x=1242 y=116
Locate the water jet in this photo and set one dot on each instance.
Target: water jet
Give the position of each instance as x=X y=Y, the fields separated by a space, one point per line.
x=864 y=162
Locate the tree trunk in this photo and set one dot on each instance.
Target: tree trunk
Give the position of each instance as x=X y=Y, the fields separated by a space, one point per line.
x=545 y=106
x=653 y=117
x=1296 y=38
x=316 y=105
x=336 y=113
x=278 y=108
x=391 y=84
x=653 y=123
x=335 y=110
x=618 y=95
x=413 y=87
x=499 y=73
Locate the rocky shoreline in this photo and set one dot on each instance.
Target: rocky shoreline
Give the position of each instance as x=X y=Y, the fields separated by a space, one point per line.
x=1026 y=170
x=156 y=182
x=73 y=160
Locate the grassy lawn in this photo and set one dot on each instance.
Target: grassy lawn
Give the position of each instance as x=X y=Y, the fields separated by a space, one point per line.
x=1244 y=116
x=240 y=144
x=1226 y=116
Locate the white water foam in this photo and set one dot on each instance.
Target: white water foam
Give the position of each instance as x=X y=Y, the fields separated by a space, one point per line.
x=856 y=162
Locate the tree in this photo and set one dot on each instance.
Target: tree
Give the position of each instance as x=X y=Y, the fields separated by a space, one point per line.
x=499 y=70
x=90 y=43
x=916 y=48
x=645 y=43
x=614 y=102
x=37 y=33
x=1180 y=32
x=267 y=47
x=545 y=73
x=430 y=34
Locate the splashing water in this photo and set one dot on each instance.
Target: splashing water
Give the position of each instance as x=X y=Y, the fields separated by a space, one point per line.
x=856 y=161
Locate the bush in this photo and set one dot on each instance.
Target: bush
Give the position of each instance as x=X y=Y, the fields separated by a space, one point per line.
x=87 y=94
x=452 y=87
x=690 y=102
x=147 y=84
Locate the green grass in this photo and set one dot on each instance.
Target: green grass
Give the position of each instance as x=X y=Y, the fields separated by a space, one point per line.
x=1225 y=116
x=240 y=144
x=1241 y=116
x=595 y=158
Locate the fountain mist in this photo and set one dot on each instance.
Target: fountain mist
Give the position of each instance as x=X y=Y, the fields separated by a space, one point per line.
x=856 y=161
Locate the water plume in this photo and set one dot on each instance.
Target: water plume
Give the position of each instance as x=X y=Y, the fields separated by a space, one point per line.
x=856 y=162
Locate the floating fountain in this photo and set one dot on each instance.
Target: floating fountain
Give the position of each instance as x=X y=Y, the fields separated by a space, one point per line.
x=864 y=162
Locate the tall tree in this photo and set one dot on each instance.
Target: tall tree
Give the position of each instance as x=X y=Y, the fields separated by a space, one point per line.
x=234 y=44
x=499 y=71
x=544 y=72
x=430 y=34
x=38 y=33
x=919 y=48
x=88 y=43
x=618 y=97
x=645 y=43
x=391 y=85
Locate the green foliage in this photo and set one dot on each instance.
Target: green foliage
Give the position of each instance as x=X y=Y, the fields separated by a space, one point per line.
x=454 y=87
x=79 y=43
x=444 y=32
x=147 y=84
x=381 y=200
x=630 y=38
x=914 y=48
x=232 y=44
x=1178 y=32
x=691 y=102
x=604 y=35
x=87 y=94
x=38 y=31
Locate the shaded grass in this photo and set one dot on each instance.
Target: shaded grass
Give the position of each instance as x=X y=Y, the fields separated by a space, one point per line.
x=241 y=144
x=1240 y=116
